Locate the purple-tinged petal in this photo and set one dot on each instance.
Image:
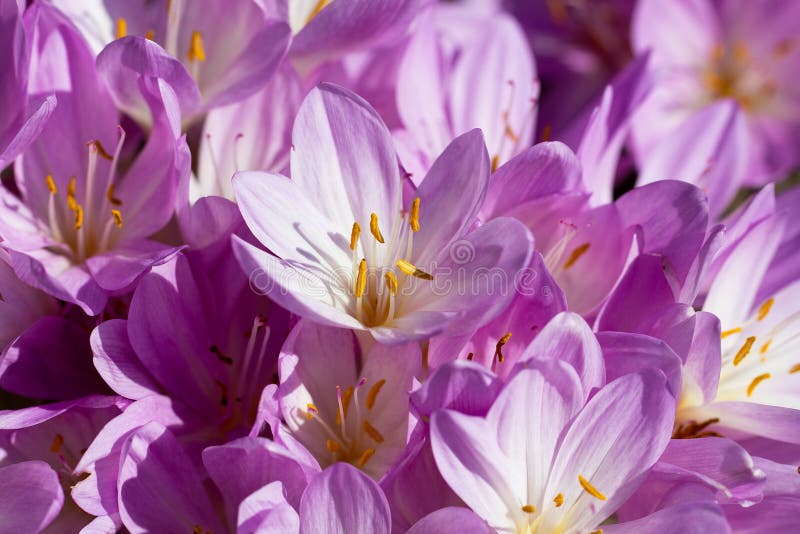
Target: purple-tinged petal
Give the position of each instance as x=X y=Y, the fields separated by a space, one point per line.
x=568 y=338
x=703 y=362
x=159 y=488
x=625 y=353
x=28 y=366
x=27 y=132
x=265 y=511
x=742 y=419
x=119 y=270
x=451 y=520
x=459 y=385
x=691 y=518
x=30 y=497
x=612 y=444
x=771 y=515
x=343 y=499
x=783 y=269
x=117 y=363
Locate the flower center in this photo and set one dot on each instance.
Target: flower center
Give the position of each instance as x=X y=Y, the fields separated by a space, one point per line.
x=353 y=438
x=86 y=222
x=375 y=286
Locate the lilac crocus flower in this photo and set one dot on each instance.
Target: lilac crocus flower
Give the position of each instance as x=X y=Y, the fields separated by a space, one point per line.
x=731 y=65
x=345 y=178
x=229 y=50
x=478 y=73
x=569 y=466
x=80 y=228
x=22 y=120
x=51 y=437
x=345 y=402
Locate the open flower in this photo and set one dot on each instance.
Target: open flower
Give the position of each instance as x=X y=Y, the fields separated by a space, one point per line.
x=229 y=50
x=348 y=251
x=541 y=461
x=79 y=230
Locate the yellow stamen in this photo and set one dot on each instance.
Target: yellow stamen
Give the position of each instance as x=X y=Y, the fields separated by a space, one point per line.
x=332 y=445
x=71 y=194
x=559 y=499
x=110 y=196
x=317 y=8
x=591 y=490
x=196 y=50
x=51 y=185
x=498 y=350
x=598 y=531
x=795 y=369
x=355 y=233
x=740 y=52
x=150 y=35
x=102 y=151
x=495 y=162
x=730 y=332
x=311 y=411
x=374 y=229
x=78 y=217
x=373 y=393
x=744 y=351
x=58 y=442
x=372 y=432
x=346 y=396
x=361 y=281
x=756 y=381
x=717 y=52
x=765 y=347
x=122 y=28
x=409 y=269
x=391 y=282
x=546 y=133
x=576 y=254
x=413 y=217
x=529 y=509
x=764 y=309
x=365 y=456
x=117 y=216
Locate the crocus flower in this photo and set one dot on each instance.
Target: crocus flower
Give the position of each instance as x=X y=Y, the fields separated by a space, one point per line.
x=742 y=53
x=79 y=230
x=229 y=50
x=564 y=467
x=478 y=73
x=349 y=252
x=343 y=401
x=51 y=438
x=22 y=120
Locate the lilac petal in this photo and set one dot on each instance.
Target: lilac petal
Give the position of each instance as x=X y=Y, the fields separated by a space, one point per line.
x=159 y=487
x=608 y=127
x=208 y=221
x=771 y=515
x=298 y=291
x=704 y=359
x=568 y=338
x=458 y=385
x=241 y=467
x=57 y=276
x=30 y=497
x=343 y=499
x=714 y=161
x=451 y=520
x=29 y=368
x=266 y=511
x=539 y=171
x=721 y=463
x=783 y=268
x=480 y=274
x=471 y=461
x=343 y=160
x=749 y=418
x=120 y=269
x=626 y=353
x=348 y=26
x=123 y=61
x=462 y=167
x=236 y=137
x=28 y=132
x=117 y=363
x=677 y=229
x=102 y=525
x=693 y=517
x=612 y=443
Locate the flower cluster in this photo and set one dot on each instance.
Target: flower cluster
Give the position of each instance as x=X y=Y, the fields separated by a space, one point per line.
x=387 y=266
